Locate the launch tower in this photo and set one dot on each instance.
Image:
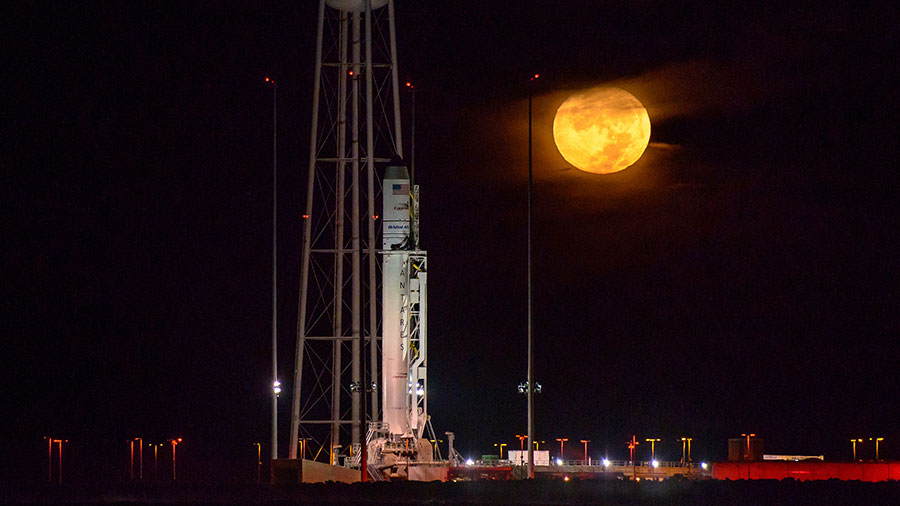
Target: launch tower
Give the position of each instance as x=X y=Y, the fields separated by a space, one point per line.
x=353 y=285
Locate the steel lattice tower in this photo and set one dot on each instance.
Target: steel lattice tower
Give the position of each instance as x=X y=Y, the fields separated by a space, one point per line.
x=355 y=124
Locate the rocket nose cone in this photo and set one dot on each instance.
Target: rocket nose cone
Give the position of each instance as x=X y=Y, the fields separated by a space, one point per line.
x=396 y=169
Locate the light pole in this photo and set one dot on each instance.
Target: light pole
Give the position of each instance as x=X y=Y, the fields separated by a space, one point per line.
x=530 y=336
x=174 y=443
x=652 y=442
x=562 y=442
x=49 y=458
x=876 y=439
x=521 y=439
x=59 y=442
x=140 y=456
x=302 y=442
x=585 y=441
x=276 y=385
x=632 y=445
x=258 y=462
x=501 y=445
x=131 y=461
x=155 y=461
x=685 y=441
x=537 y=445
x=854 y=441
x=748 y=436
x=50 y=442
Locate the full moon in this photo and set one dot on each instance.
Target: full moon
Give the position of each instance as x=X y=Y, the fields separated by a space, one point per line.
x=602 y=130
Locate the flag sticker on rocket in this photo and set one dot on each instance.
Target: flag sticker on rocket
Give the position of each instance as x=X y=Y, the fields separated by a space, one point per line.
x=400 y=189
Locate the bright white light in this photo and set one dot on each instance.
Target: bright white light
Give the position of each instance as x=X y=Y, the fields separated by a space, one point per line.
x=559 y=462
x=704 y=465
x=276 y=387
x=566 y=478
x=605 y=463
x=470 y=462
x=655 y=463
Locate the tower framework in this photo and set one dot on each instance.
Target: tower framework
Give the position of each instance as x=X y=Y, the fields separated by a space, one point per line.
x=355 y=125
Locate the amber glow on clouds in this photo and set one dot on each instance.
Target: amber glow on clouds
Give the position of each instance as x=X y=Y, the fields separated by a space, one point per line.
x=601 y=130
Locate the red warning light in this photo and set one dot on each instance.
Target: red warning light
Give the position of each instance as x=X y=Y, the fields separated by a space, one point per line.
x=409 y=84
x=305 y=216
x=374 y=216
x=535 y=77
x=350 y=73
x=267 y=79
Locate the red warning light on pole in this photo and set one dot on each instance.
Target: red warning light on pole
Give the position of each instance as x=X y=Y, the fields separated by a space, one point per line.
x=535 y=77
x=305 y=216
x=267 y=79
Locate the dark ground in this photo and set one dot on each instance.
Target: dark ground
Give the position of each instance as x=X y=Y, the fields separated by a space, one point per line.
x=700 y=493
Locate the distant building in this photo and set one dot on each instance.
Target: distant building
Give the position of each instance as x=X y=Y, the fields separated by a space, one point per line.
x=520 y=457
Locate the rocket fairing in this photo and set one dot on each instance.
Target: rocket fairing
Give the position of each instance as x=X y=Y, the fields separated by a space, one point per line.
x=395 y=340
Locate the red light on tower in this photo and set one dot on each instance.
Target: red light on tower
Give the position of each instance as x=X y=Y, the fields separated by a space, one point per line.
x=267 y=79
x=535 y=77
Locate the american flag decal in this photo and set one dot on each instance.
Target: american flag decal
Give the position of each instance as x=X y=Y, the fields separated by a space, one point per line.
x=400 y=189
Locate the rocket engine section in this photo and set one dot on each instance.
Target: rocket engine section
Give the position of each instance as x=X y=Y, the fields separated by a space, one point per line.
x=395 y=337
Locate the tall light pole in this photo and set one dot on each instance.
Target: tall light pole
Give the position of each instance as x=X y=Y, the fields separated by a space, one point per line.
x=174 y=443
x=140 y=456
x=155 y=461
x=585 y=441
x=854 y=441
x=522 y=440
x=530 y=336
x=49 y=458
x=562 y=442
x=685 y=441
x=276 y=385
x=876 y=439
x=632 y=445
x=500 y=445
x=748 y=436
x=653 y=442
x=50 y=442
x=258 y=462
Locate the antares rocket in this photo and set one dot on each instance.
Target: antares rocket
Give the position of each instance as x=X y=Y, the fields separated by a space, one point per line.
x=398 y=441
x=403 y=308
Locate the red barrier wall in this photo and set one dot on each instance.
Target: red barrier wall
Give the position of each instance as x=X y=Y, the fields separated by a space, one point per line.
x=863 y=471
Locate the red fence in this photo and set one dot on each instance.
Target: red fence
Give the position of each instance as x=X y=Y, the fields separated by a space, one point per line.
x=863 y=471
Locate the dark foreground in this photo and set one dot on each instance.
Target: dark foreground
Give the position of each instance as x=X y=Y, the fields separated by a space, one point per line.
x=686 y=493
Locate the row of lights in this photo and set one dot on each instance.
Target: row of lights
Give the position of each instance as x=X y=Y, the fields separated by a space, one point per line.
x=631 y=445
x=174 y=442
x=860 y=440
x=51 y=441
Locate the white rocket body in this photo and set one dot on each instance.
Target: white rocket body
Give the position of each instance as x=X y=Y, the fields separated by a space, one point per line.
x=395 y=341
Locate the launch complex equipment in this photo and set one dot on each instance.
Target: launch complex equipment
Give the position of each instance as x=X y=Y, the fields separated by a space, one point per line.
x=353 y=284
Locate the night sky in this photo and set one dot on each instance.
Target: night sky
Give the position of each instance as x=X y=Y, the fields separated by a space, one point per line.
x=741 y=277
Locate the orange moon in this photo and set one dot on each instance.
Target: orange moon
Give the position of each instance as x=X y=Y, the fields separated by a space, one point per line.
x=601 y=130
